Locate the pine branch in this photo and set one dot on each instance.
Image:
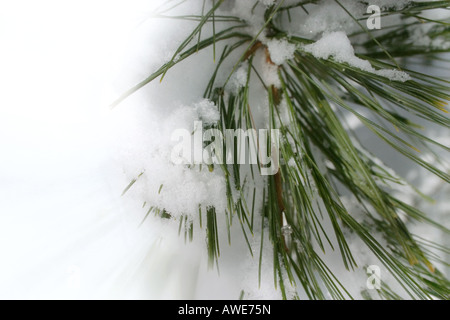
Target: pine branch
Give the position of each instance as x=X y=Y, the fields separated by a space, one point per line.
x=318 y=153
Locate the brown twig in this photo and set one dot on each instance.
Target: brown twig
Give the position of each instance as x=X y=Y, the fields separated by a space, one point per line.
x=253 y=49
x=278 y=181
x=277 y=100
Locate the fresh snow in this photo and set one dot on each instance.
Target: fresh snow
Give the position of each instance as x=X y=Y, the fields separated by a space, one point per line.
x=338 y=46
x=280 y=50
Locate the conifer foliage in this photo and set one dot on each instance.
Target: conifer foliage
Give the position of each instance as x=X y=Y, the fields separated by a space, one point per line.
x=314 y=63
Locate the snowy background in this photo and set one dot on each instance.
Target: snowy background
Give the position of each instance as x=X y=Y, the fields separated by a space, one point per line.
x=65 y=158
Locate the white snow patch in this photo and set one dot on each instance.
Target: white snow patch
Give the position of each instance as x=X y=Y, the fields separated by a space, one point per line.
x=239 y=78
x=269 y=74
x=163 y=181
x=338 y=46
x=280 y=50
x=328 y=16
x=207 y=111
